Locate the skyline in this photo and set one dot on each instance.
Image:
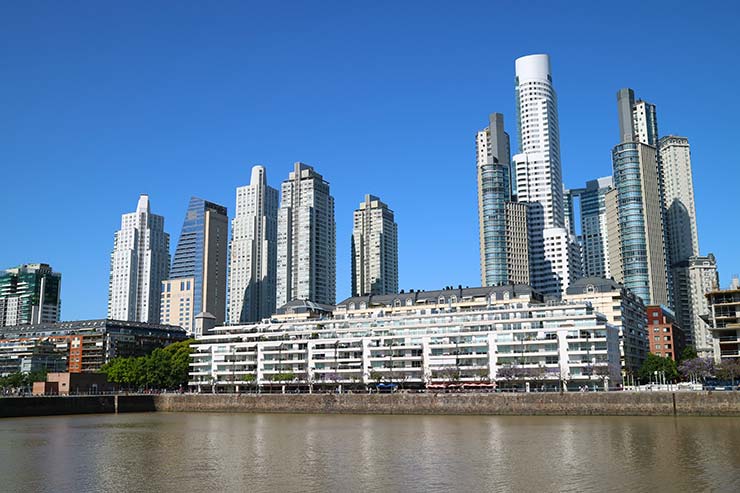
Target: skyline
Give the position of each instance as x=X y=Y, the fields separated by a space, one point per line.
x=389 y=131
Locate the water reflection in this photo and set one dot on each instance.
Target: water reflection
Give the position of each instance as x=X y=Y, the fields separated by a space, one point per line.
x=261 y=453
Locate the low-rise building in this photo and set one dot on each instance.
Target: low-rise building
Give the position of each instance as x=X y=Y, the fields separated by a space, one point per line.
x=81 y=346
x=65 y=383
x=492 y=334
x=621 y=308
x=664 y=333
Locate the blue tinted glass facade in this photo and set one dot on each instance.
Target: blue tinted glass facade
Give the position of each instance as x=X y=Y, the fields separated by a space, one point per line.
x=627 y=181
x=495 y=192
x=188 y=259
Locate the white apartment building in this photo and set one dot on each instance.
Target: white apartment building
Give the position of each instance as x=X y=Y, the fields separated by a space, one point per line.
x=374 y=249
x=306 y=239
x=493 y=334
x=678 y=197
x=621 y=308
x=539 y=177
x=139 y=263
x=253 y=251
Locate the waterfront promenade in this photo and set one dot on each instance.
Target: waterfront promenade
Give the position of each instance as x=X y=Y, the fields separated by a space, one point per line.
x=563 y=404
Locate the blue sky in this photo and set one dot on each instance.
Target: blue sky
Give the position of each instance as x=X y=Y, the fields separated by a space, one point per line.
x=101 y=101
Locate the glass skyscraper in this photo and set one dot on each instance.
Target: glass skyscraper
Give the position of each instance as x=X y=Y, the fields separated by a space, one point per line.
x=637 y=179
x=197 y=280
x=626 y=160
x=29 y=294
x=494 y=191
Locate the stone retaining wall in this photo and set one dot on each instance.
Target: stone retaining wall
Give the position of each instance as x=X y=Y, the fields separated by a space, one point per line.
x=575 y=404
x=567 y=404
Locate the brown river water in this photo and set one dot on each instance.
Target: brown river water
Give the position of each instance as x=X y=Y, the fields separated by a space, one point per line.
x=184 y=452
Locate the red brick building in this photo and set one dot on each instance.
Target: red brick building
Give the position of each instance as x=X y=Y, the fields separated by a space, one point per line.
x=665 y=336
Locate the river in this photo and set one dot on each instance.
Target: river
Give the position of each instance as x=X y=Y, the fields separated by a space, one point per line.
x=184 y=452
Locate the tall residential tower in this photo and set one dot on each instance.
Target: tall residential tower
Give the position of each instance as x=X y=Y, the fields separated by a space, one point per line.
x=638 y=182
x=197 y=281
x=29 y=294
x=504 y=246
x=253 y=251
x=140 y=261
x=374 y=249
x=306 y=245
x=555 y=254
x=594 y=237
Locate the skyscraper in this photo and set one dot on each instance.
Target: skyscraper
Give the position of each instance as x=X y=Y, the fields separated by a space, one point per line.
x=678 y=198
x=593 y=221
x=252 y=269
x=694 y=278
x=682 y=235
x=29 y=294
x=554 y=260
x=197 y=281
x=494 y=191
x=614 y=238
x=504 y=238
x=638 y=182
x=139 y=263
x=306 y=246
x=374 y=249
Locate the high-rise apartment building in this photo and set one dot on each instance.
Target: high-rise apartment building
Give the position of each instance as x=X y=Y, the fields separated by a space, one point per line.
x=253 y=267
x=681 y=229
x=499 y=241
x=593 y=220
x=517 y=243
x=638 y=182
x=614 y=240
x=694 y=278
x=306 y=244
x=645 y=122
x=494 y=191
x=29 y=294
x=197 y=281
x=140 y=261
x=374 y=249
x=554 y=252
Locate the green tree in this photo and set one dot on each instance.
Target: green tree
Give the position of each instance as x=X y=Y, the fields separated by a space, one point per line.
x=163 y=368
x=689 y=352
x=654 y=363
x=179 y=363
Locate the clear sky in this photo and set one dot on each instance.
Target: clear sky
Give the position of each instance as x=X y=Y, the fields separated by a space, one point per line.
x=102 y=101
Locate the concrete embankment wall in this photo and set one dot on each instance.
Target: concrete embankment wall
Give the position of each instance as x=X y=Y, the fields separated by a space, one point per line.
x=49 y=406
x=11 y=407
x=575 y=404
x=568 y=404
